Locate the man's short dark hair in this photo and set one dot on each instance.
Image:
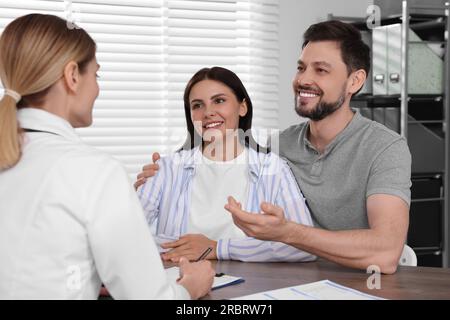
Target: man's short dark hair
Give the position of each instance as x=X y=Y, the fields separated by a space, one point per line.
x=355 y=53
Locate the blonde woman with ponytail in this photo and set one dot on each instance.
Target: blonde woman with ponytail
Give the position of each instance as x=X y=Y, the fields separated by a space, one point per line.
x=69 y=218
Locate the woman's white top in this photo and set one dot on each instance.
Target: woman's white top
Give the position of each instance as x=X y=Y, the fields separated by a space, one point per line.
x=213 y=183
x=70 y=220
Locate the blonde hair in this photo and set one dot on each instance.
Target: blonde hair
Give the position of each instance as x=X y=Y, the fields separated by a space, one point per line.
x=34 y=50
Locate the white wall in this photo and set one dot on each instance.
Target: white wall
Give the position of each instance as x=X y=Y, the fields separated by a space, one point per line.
x=296 y=16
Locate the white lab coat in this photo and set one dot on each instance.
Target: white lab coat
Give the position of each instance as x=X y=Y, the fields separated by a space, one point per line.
x=70 y=219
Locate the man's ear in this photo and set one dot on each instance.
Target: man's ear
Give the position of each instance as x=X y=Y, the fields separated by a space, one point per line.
x=357 y=79
x=243 y=109
x=71 y=76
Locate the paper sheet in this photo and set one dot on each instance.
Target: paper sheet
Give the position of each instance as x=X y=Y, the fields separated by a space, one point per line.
x=219 y=282
x=321 y=290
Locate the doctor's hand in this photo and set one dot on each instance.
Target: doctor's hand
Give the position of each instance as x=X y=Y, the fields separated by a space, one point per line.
x=148 y=171
x=190 y=246
x=270 y=224
x=196 y=277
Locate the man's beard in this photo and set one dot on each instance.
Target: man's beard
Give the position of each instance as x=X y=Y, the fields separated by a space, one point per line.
x=322 y=108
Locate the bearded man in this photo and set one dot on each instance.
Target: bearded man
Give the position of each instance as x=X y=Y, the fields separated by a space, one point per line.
x=355 y=173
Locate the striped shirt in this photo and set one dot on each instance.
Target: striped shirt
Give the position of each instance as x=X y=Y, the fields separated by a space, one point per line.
x=166 y=201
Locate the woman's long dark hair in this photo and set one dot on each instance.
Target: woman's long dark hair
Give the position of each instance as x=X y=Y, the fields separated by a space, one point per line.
x=232 y=81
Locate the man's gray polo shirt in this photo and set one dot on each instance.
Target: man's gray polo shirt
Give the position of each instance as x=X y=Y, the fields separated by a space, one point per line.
x=365 y=158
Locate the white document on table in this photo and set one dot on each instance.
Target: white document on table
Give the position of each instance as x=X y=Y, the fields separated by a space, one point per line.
x=220 y=281
x=320 y=290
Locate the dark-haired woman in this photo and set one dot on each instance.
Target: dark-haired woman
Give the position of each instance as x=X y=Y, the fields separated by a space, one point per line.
x=184 y=201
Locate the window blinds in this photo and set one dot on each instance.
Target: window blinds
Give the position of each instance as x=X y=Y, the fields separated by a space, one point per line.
x=149 y=49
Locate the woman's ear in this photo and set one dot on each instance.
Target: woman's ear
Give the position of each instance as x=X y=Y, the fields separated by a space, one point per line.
x=357 y=81
x=243 y=108
x=71 y=76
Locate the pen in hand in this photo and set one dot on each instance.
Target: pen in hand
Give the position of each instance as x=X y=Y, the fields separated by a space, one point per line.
x=204 y=254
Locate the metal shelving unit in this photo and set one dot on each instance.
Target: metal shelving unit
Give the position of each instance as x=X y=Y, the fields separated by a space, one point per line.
x=407 y=123
x=446 y=251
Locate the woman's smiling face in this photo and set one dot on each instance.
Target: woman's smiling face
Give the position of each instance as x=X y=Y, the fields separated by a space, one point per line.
x=215 y=109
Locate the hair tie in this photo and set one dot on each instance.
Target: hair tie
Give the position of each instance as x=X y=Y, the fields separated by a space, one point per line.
x=13 y=94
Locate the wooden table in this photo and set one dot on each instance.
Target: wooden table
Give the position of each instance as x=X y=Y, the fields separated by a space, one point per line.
x=406 y=283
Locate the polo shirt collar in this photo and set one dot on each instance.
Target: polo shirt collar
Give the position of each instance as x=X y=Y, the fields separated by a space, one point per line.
x=352 y=126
